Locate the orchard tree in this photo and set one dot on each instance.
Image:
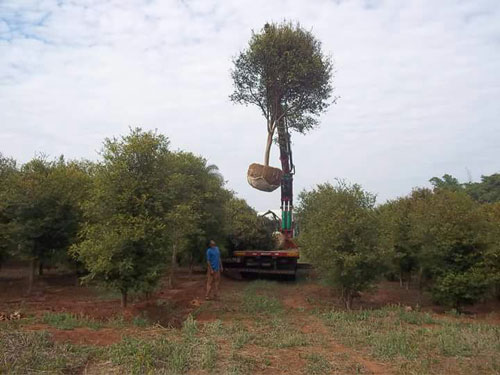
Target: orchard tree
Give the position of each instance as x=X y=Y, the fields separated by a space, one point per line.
x=286 y=75
x=125 y=240
x=339 y=236
x=486 y=191
x=183 y=225
x=447 y=182
x=491 y=260
x=395 y=229
x=8 y=173
x=45 y=210
x=198 y=185
x=397 y=226
x=448 y=226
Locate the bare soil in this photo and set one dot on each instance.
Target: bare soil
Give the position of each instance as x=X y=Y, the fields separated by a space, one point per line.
x=57 y=293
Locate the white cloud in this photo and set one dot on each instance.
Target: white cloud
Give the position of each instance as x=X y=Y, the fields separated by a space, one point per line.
x=419 y=85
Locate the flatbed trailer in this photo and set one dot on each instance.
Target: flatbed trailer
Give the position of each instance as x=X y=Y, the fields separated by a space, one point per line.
x=271 y=262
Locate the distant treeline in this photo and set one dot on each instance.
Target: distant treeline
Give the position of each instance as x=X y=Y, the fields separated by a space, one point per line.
x=445 y=239
x=126 y=219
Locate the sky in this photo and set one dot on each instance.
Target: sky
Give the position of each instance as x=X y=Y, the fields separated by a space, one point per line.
x=418 y=83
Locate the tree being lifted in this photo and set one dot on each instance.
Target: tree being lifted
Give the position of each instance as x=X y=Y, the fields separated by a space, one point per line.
x=284 y=72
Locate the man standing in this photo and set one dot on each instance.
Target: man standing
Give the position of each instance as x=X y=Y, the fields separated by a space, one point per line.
x=214 y=269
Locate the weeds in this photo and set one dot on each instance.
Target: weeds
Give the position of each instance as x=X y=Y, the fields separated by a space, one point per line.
x=69 y=321
x=254 y=303
x=317 y=365
x=393 y=334
x=241 y=365
x=281 y=335
x=141 y=321
x=33 y=352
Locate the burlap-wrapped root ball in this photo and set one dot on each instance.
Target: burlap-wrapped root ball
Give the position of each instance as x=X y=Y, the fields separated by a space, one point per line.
x=263 y=177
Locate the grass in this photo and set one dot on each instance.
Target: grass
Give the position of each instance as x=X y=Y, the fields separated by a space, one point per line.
x=279 y=334
x=259 y=334
x=241 y=364
x=192 y=349
x=317 y=365
x=141 y=321
x=256 y=301
x=67 y=321
x=34 y=352
x=405 y=338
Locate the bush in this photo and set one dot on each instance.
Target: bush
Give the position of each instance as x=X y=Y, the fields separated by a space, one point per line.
x=339 y=235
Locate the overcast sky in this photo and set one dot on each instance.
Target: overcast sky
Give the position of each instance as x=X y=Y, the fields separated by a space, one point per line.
x=419 y=85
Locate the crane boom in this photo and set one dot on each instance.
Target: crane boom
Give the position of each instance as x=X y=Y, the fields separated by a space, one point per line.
x=286 y=184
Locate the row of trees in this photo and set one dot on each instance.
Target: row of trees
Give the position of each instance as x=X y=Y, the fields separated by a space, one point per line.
x=126 y=220
x=446 y=239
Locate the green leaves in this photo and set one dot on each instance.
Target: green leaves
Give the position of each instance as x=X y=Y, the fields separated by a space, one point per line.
x=44 y=203
x=284 y=70
x=148 y=208
x=338 y=234
x=446 y=235
x=245 y=229
x=124 y=240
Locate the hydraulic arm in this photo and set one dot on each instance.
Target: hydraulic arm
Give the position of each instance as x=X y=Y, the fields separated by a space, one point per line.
x=286 y=184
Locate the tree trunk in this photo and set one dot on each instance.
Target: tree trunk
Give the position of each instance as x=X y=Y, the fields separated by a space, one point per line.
x=348 y=301
x=172 y=267
x=269 y=142
x=40 y=268
x=408 y=280
x=124 y=298
x=31 y=276
x=347 y=297
x=77 y=276
x=401 y=279
x=191 y=265
x=420 y=281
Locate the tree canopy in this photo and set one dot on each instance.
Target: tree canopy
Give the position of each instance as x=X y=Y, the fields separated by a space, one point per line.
x=339 y=236
x=485 y=191
x=285 y=73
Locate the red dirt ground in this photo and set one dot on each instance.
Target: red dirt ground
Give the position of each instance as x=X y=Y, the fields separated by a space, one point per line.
x=168 y=307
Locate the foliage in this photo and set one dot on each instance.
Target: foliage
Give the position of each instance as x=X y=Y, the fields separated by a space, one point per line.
x=446 y=236
x=447 y=182
x=490 y=264
x=284 y=72
x=395 y=230
x=247 y=230
x=485 y=191
x=8 y=172
x=199 y=198
x=339 y=236
x=44 y=207
x=454 y=288
x=447 y=227
x=124 y=240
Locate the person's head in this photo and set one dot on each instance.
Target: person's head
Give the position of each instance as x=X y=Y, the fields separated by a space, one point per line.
x=211 y=243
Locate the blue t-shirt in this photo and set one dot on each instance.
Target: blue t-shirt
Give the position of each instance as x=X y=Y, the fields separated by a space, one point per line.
x=213 y=257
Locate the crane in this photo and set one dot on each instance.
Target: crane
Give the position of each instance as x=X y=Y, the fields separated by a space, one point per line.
x=282 y=261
